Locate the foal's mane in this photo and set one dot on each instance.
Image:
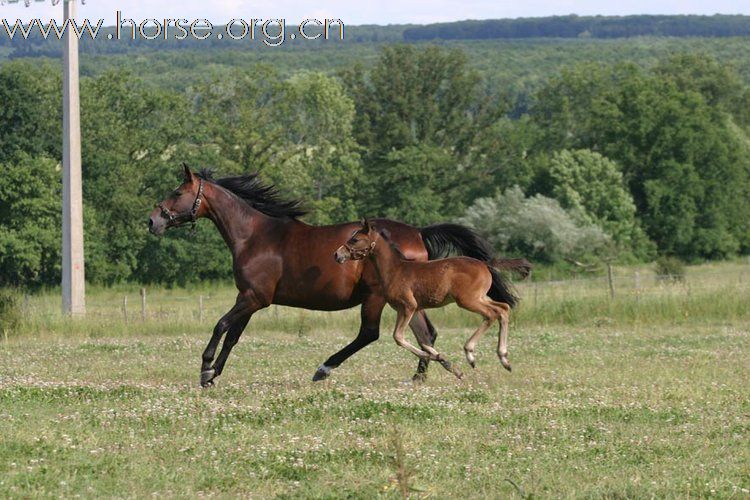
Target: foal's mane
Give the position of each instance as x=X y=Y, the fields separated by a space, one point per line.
x=387 y=237
x=259 y=195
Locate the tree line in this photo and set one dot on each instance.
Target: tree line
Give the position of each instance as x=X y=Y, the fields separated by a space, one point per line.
x=574 y=26
x=610 y=161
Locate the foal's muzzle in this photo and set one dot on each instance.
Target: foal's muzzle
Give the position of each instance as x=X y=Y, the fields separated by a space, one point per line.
x=342 y=254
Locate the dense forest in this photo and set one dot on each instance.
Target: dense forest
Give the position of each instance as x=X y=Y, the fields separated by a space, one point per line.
x=554 y=149
x=584 y=27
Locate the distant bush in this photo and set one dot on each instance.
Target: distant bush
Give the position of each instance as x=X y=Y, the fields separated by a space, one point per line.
x=10 y=312
x=537 y=228
x=670 y=269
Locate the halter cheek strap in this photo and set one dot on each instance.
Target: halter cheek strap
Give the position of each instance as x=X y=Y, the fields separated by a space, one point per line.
x=180 y=219
x=359 y=254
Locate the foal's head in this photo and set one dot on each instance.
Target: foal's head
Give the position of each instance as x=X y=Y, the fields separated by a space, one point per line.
x=181 y=207
x=360 y=244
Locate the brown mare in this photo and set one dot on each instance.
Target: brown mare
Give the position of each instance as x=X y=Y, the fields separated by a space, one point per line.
x=278 y=259
x=409 y=286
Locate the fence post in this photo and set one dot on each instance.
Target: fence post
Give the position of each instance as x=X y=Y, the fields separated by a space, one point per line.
x=200 y=308
x=536 y=293
x=26 y=304
x=143 y=304
x=611 y=281
x=125 y=308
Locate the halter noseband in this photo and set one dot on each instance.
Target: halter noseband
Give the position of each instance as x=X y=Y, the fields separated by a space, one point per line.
x=180 y=219
x=359 y=254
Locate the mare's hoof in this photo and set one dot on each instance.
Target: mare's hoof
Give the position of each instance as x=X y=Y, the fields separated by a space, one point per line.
x=322 y=374
x=207 y=377
x=419 y=378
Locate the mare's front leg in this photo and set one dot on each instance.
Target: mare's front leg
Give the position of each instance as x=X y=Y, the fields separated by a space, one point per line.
x=224 y=324
x=248 y=305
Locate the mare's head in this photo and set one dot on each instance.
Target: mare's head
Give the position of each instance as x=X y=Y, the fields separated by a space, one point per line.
x=181 y=207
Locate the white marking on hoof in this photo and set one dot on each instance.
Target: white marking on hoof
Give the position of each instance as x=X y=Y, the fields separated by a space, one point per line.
x=207 y=377
x=322 y=373
x=471 y=359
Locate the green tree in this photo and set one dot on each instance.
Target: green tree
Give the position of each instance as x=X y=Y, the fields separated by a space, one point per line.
x=591 y=185
x=536 y=227
x=30 y=109
x=417 y=103
x=325 y=169
x=682 y=162
x=30 y=221
x=130 y=134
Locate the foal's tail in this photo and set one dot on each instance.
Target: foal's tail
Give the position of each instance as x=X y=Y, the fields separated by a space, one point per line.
x=444 y=239
x=501 y=290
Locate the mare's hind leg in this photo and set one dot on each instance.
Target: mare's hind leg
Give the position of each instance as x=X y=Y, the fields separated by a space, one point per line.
x=369 y=331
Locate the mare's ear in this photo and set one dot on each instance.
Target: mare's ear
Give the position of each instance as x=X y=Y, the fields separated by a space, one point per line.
x=187 y=172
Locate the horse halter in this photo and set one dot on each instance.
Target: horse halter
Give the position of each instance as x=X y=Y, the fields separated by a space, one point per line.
x=178 y=220
x=355 y=254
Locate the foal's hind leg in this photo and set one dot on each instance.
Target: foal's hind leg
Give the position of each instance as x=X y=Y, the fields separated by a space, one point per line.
x=479 y=306
x=472 y=342
x=502 y=341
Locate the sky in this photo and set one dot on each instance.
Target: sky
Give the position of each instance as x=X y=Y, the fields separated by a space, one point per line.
x=354 y=12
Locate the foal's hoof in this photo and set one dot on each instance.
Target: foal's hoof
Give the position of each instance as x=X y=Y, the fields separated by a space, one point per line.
x=506 y=364
x=471 y=359
x=458 y=373
x=207 y=377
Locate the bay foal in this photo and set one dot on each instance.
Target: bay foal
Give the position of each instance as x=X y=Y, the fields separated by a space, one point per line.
x=409 y=286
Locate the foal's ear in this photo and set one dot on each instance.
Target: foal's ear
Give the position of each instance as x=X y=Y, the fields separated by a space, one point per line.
x=366 y=225
x=187 y=172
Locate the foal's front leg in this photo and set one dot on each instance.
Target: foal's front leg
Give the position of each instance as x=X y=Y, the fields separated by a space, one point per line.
x=403 y=318
x=429 y=353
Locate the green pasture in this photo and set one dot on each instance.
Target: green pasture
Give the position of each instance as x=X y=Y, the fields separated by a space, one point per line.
x=644 y=395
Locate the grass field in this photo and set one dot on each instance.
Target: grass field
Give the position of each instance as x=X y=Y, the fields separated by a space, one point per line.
x=642 y=396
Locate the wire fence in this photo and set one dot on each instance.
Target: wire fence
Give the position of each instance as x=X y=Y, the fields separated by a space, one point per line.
x=161 y=304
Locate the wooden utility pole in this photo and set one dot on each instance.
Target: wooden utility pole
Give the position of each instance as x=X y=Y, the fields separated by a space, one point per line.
x=73 y=277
